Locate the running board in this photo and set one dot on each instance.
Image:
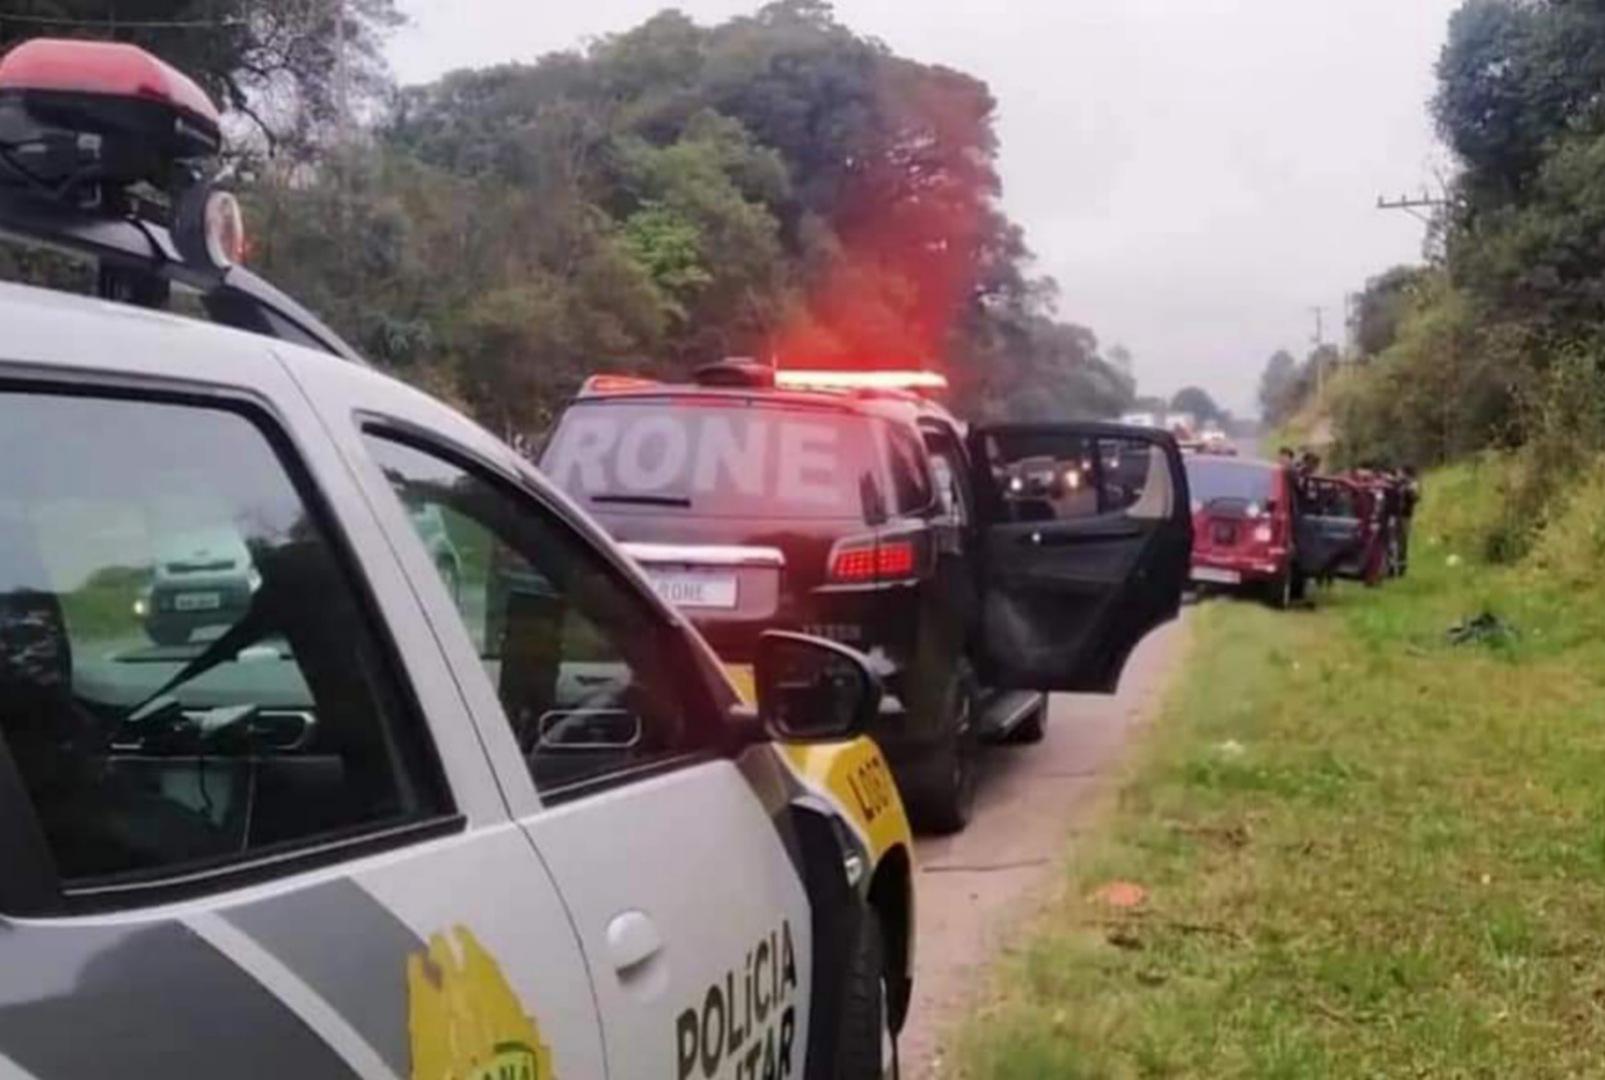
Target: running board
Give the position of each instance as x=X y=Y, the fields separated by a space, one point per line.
x=1006 y=711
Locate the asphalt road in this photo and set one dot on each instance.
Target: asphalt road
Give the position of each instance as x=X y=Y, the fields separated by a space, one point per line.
x=979 y=889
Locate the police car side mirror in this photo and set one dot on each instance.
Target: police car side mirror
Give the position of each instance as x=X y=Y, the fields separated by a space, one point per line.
x=813 y=690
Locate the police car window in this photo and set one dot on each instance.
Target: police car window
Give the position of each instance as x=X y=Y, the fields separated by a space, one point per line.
x=947 y=476
x=587 y=678
x=1048 y=476
x=186 y=673
x=911 y=484
x=1133 y=478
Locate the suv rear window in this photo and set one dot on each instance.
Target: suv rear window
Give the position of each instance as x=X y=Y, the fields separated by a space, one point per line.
x=1209 y=481
x=715 y=457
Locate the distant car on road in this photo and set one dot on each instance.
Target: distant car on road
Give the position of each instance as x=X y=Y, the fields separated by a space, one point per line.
x=202 y=580
x=430 y=522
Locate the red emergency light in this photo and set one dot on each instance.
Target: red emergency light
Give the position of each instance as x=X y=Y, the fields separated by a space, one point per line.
x=147 y=115
x=109 y=68
x=616 y=384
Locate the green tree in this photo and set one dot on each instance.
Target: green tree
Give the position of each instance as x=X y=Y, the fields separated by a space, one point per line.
x=1383 y=306
x=1196 y=400
x=1278 y=386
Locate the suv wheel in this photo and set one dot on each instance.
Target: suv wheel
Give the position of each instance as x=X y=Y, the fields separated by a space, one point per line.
x=868 y=1049
x=941 y=793
x=1279 y=590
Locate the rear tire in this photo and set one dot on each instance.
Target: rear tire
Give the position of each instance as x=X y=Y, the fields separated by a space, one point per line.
x=941 y=792
x=1279 y=591
x=868 y=1049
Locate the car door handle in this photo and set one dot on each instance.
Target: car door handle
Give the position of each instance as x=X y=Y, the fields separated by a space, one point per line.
x=632 y=940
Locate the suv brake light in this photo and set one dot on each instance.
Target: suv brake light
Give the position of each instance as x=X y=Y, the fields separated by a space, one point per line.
x=873 y=560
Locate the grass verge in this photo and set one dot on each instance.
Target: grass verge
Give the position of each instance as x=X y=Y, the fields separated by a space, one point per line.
x=1367 y=852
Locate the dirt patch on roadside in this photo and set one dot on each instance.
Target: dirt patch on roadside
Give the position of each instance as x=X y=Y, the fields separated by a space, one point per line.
x=977 y=890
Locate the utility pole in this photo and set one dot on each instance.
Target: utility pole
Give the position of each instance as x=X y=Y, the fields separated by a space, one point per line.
x=1412 y=205
x=342 y=77
x=1320 y=342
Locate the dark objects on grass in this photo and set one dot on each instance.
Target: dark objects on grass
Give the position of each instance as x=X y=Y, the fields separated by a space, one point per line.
x=1485 y=628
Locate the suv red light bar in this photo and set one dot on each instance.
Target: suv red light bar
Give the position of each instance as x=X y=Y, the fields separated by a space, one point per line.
x=799 y=379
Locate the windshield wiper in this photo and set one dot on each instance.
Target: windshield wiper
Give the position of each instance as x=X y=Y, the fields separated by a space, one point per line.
x=678 y=501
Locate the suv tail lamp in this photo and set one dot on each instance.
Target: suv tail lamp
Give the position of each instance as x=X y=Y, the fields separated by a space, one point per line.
x=875 y=560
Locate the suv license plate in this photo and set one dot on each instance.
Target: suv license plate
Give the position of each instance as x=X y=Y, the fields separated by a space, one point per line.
x=197 y=601
x=695 y=588
x=1217 y=577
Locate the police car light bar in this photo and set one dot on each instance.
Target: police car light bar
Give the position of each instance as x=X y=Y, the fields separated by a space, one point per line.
x=616 y=384
x=90 y=131
x=799 y=379
x=111 y=89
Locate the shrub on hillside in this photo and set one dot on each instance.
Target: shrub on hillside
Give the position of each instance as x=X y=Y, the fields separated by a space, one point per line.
x=1444 y=388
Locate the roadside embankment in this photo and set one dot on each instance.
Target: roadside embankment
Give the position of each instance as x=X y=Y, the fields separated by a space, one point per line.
x=1361 y=848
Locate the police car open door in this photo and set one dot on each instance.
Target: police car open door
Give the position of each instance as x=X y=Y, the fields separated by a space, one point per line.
x=1085 y=546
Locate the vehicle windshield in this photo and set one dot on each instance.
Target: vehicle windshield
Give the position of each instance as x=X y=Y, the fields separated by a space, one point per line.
x=1211 y=480
x=721 y=458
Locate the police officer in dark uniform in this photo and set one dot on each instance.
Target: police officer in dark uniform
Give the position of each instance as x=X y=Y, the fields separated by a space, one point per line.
x=1409 y=495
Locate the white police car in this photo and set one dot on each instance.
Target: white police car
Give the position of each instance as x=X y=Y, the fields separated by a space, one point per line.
x=377 y=823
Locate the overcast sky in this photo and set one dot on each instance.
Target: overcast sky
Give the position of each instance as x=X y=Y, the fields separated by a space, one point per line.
x=1197 y=174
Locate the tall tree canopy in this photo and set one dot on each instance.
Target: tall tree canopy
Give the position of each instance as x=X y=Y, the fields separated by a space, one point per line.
x=774 y=186
x=1277 y=387
x=1196 y=400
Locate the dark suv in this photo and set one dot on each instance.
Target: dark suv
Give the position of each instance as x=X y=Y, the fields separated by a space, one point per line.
x=976 y=568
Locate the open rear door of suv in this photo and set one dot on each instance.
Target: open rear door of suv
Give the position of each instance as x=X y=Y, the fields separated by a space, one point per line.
x=1331 y=531
x=1087 y=536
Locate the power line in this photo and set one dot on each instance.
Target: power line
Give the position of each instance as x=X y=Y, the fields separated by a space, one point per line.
x=126 y=24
